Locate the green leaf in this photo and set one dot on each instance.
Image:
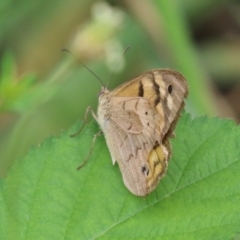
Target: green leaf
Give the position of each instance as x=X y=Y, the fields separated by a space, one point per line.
x=45 y=197
x=14 y=92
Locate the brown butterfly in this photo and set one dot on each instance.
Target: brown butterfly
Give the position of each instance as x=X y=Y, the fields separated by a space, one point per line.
x=137 y=119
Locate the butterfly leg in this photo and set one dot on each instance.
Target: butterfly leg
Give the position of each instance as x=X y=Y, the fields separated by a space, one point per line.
x=90 y=152
x=85 y=120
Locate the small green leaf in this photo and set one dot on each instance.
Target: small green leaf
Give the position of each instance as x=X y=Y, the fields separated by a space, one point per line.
x=45 y=197
x=14 y=92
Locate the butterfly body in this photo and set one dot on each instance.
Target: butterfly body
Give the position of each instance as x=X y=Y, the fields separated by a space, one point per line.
x=137 y=119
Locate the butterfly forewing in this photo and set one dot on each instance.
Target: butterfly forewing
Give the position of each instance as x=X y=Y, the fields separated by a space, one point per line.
x=165 y=90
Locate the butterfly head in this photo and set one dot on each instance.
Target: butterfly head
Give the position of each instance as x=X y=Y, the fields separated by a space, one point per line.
x=103 y=98
x=103 y=92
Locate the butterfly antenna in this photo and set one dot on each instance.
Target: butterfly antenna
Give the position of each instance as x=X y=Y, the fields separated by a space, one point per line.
x=99 y=79
x=125 y=50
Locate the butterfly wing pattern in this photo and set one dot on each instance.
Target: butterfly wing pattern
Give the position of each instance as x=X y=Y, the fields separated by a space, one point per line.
x=137 y=119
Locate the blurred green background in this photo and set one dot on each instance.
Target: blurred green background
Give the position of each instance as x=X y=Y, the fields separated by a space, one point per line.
x=44 y=90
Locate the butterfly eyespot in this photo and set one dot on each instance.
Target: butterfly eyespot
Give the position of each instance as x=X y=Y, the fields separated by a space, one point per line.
x=170 y=89
x=145 y=171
